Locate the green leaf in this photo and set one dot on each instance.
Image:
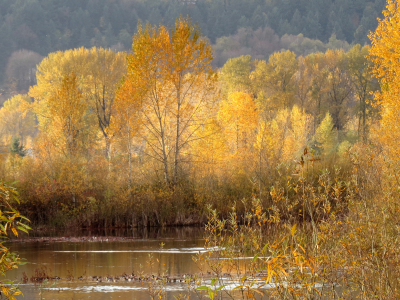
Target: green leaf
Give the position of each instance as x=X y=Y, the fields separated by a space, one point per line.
x=2 y=228
x=255 y=257
x=220 y=288
x=24 y=218
x=265 y=248
x=204 y=288
x=22 y=229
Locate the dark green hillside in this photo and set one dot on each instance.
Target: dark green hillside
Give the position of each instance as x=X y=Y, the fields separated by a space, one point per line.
x=44 y=26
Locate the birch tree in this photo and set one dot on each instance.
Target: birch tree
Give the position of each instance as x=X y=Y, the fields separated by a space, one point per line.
x=173 y=77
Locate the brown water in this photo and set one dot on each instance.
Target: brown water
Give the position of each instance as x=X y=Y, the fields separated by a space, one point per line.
x=72 y=260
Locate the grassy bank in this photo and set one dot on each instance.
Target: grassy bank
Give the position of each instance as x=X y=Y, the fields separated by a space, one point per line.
x=106 y=201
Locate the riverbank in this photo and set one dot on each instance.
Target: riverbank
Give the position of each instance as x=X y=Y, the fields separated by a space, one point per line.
x=184 y=205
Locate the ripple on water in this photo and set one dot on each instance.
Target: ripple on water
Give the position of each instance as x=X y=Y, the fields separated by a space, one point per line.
x=171 y=250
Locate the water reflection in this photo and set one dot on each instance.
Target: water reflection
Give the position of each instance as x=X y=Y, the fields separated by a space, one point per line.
x=77 y=263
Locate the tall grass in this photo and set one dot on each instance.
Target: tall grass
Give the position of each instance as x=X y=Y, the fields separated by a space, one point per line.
x=323 y=237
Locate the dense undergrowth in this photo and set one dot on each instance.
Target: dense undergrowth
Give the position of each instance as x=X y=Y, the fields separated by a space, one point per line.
x=351 y=252
x=345 y=247
x=105 y=202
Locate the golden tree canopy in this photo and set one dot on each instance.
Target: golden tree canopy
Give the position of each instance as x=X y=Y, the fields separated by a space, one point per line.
x=172 y=75
x=385 y=55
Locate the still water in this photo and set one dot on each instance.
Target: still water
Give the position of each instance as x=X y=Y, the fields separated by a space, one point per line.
x=79 y=263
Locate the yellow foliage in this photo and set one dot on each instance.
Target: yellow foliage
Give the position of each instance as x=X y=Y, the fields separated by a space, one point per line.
x=67 y=108
x=173 y=77
x=235 y=74
x=275 y=79
x=283 y=137
x=326 y=135
x=239 y=117
x=98 y=72
x=209 y=152
x=300 y=128
x=384 y=54
x=15 y=120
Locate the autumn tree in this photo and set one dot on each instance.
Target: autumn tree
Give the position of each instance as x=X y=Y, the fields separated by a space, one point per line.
x=16 y=121
x=280 y=139
x=303 y=79
x=275 y=79
x=105 y=71
x=53 y=79
x=284 y=136
x=326 y=135
x=67 y=109
x=318 y=86
x=53 y=69
x=339 y=87
x=299 y=132
x=384 y=54
x=61 y=116
x=235 y=74
x=363 y=84
x=127 y=120
x=173 y=77
x=209 y=152
x=98 y=72
x=239 y=118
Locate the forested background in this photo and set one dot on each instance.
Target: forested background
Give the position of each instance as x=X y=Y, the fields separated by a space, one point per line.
x=234 y=27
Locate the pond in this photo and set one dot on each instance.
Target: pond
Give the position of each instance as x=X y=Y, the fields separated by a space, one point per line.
x=82 y=267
